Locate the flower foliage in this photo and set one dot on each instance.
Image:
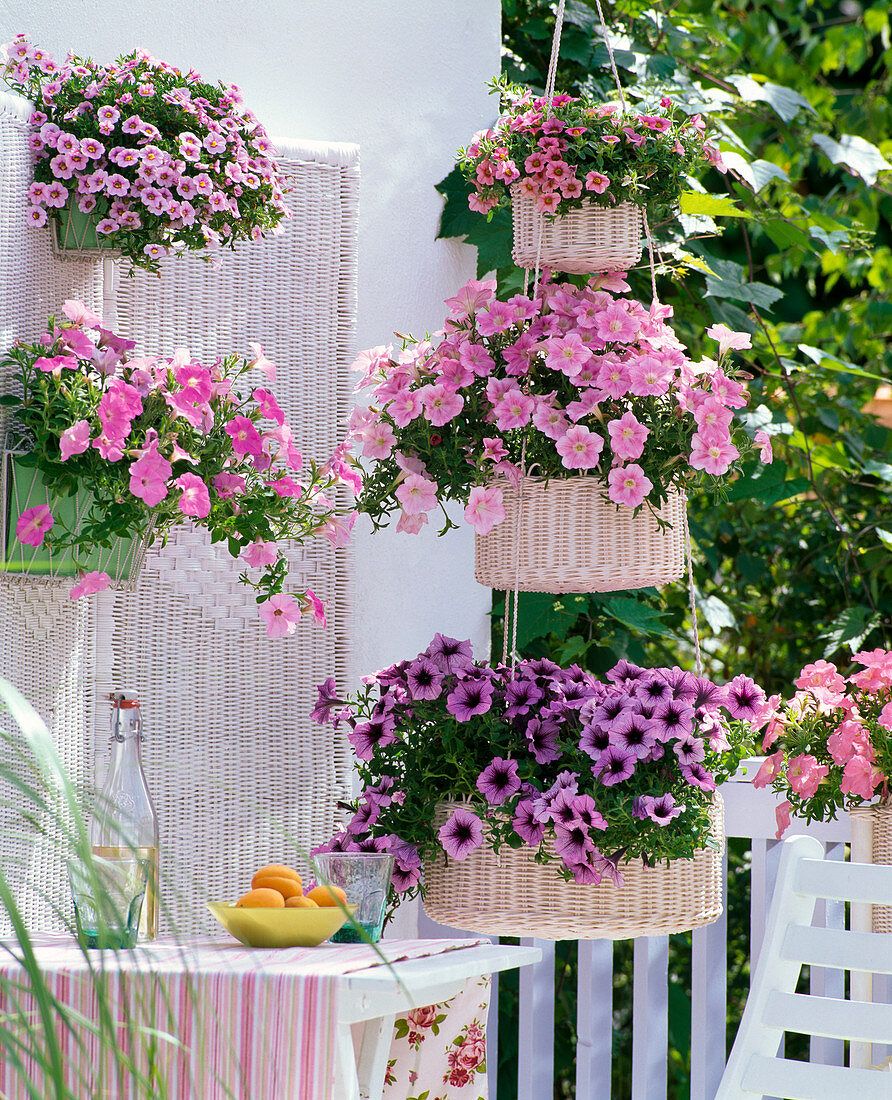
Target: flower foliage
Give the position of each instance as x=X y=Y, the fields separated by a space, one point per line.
x=568 y=150
x=577 y=380
x=832 y=742
x=170 y=162
x=159 y=441
x=586 y=773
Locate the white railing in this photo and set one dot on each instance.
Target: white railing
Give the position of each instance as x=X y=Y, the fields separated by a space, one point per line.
x=748 y=813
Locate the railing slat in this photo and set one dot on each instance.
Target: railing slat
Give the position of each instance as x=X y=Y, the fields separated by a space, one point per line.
x=594 y=1020
x=824 y=982
x=535 y=1063
x=708 y=1002
x=650 y=1018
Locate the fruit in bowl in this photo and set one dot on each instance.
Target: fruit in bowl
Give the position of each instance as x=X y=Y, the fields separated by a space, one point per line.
x=276 y=913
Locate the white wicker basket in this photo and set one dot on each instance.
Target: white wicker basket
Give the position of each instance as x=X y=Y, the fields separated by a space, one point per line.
x=569 y=537
x=74 y=237
x=508 y=894
x=22 y=487
x=586 y=240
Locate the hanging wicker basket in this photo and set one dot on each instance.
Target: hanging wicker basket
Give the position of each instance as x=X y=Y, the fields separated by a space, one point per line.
x=74 y=235
x=586 y=240
x=880 y=815
x=21 y=488
x=565 y=535
x=508 y=894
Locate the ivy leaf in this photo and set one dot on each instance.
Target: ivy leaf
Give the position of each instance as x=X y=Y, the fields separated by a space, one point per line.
x=729 y=281
x=853 y=152
x=849 y=628
x=756 y=173
x=712 y=206
x=784 y=101
x=717 y=613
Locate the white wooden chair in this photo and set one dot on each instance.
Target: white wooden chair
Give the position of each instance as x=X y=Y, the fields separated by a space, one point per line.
x=755 y=1068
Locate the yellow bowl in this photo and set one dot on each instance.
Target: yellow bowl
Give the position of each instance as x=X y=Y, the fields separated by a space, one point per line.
x=279 y=927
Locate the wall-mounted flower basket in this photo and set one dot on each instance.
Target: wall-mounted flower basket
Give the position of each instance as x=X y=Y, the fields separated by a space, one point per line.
x=74 y=236
x=588 y=239
x=509 y=894
x=565 y=535
x=880 y=818
x=22 y=489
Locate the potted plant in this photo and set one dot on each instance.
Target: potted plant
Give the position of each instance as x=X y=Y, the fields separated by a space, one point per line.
x=831 y=744
x=570 y=425
x=577 y=173
x=543 y=801
x=104 y=445
x=140 y=157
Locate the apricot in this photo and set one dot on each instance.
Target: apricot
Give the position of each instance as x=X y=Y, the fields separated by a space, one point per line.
x=287 y=887
x=264 y=898
x=327 y=895
x=279 y=870
x=298 y=901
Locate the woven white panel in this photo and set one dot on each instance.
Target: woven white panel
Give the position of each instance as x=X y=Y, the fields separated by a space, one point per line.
x=45 y=640
x=240 y=775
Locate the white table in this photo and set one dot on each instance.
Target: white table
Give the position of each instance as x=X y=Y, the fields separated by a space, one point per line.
x=369 y=1001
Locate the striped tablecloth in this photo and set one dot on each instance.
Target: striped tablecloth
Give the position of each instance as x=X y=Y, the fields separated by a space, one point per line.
x=200 y=1019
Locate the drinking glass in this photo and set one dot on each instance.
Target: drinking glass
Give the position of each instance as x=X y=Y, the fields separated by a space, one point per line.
x=108 y=896
x=365 y=879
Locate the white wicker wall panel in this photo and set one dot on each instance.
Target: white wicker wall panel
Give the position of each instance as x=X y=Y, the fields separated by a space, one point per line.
x=240 y=775
x=45 y=641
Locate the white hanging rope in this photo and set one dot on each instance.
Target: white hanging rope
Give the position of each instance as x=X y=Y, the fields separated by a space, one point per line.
x=687 y=547
x=606 y=37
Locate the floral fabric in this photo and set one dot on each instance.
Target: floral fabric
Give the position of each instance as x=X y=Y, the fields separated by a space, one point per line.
x=439 y=1052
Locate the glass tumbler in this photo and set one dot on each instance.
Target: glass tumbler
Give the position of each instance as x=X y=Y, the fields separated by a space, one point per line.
x=365 y=879
x=108 y=896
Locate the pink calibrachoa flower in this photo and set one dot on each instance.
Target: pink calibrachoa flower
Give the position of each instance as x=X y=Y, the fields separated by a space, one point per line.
x=281 y=614
x=579 y=448
x=90 y=584
x=194 y=497
x=597 y=182
x=33 y=524
x=628 y=485
x=417 y=494
x=485 y=509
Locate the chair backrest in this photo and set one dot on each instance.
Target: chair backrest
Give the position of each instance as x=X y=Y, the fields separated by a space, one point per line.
x=755 y=1068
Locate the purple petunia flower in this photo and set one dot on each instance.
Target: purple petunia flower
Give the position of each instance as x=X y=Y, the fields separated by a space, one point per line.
x=708 y=695
x=498 y=781
x=651 y=688
x=542 y=738
x=606 y=712
x=584 y=874
x=743 y=698
x=587 y=812
x=461 y=834
x=469 y=697
x=365 y=737
x=633 y=733
x=561 y=809
x=698 y=776
x=370 y=844
x=520 y=695
x=526 y=825
x=661 y=810
x=572 y=843
x=541 y=667
x=424 y=679
x=624 y=672
x=607 y=867
x=673 y=717
x=682 y=684
x=366 y=815
x=614 y=765
x=327 y=701
x=448 y=654
x=394 y=675
x=689 y=749
x=593 y=740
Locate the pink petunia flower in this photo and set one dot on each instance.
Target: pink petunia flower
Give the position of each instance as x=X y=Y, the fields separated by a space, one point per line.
x=417 y=494
x=260 y=554
x=281 y=614
x=860 y=777
x=782 y=817
x=728 y=339
x=579 y=448
x=194 y=497
x=763 y=442
x=485 y=509
x=339 y=531
x=627 y=436
x=804 y=774
x=33 y=524
x=75 y=440
x=261 y=363
x=628 y=485
x=90 y=584
x=713 y=455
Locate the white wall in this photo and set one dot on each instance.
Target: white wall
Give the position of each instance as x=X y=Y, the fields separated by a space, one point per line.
x=404 y=81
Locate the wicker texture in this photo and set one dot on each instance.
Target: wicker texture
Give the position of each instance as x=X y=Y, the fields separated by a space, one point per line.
x=567 y=536
x=508 y=894
x=586 y=240
x=239 y=774
x=881 y=826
